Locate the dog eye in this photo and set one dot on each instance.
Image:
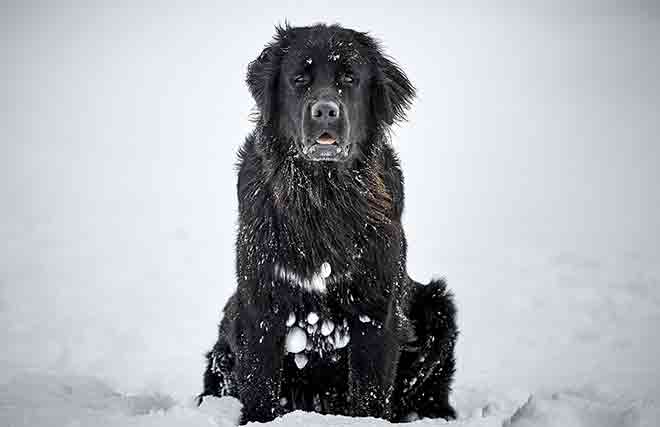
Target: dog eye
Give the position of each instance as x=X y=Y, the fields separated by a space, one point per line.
x=347 y=79
x=301 y=79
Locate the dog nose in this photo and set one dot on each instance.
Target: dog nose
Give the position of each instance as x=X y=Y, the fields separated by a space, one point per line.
x=325 y=112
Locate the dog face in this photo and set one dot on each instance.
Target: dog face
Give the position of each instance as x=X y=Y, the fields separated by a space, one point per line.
x=323 y=97
x=325 y=90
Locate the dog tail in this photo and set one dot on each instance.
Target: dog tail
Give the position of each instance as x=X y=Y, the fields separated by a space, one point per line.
x=427 y=367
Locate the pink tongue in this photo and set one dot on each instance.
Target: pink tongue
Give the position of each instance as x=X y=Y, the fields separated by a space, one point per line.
x=325 y=139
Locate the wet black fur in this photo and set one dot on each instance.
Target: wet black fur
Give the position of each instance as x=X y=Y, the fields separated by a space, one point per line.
x=299 y=213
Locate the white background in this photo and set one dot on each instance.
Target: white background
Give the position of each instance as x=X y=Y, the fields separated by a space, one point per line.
x=531 y=159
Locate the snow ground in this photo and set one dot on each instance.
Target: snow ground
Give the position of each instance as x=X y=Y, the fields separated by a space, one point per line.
x=531 y=160
x=567 y=355
x=52 y=400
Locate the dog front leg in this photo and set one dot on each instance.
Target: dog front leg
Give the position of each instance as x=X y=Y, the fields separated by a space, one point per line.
x=374 y=354
x=259 y=370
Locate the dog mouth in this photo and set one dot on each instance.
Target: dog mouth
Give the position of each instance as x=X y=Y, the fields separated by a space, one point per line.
x=326 y=139
x=326 y=147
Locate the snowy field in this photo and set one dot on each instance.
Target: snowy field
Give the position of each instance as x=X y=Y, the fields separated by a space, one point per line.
x=532 y=163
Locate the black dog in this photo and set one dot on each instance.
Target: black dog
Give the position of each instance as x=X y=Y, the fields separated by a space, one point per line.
x=325 y=317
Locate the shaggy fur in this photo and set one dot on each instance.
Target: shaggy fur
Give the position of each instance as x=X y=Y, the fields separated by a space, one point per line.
x=306 y=206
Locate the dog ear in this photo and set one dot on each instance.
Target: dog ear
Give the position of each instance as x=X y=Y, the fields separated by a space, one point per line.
x=263 y=73
x=261 y=79
x=392 y=91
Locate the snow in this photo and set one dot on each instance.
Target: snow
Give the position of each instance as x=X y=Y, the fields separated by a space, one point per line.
x=323 y=343
x=291 y=319
x=341 y=340
x=325 y=268
x=530 y=159
x=312 y=318
x=51 y=400
x=296 y=340
x=301 y=360
x=327 y=326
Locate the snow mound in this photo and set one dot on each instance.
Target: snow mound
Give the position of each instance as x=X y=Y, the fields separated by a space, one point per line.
x=47 y=400
x=579 y=410
x=308 y=419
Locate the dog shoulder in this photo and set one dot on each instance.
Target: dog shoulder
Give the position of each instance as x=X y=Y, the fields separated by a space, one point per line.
x=247 y=159
x=393 y=178
x=250 y=182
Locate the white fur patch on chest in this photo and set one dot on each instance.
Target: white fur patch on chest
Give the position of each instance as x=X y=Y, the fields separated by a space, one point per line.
x=318 y=282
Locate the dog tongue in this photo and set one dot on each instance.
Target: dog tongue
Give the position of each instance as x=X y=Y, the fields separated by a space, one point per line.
x=325 y=139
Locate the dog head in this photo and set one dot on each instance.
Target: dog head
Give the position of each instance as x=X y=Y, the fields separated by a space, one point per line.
x=326 y=90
